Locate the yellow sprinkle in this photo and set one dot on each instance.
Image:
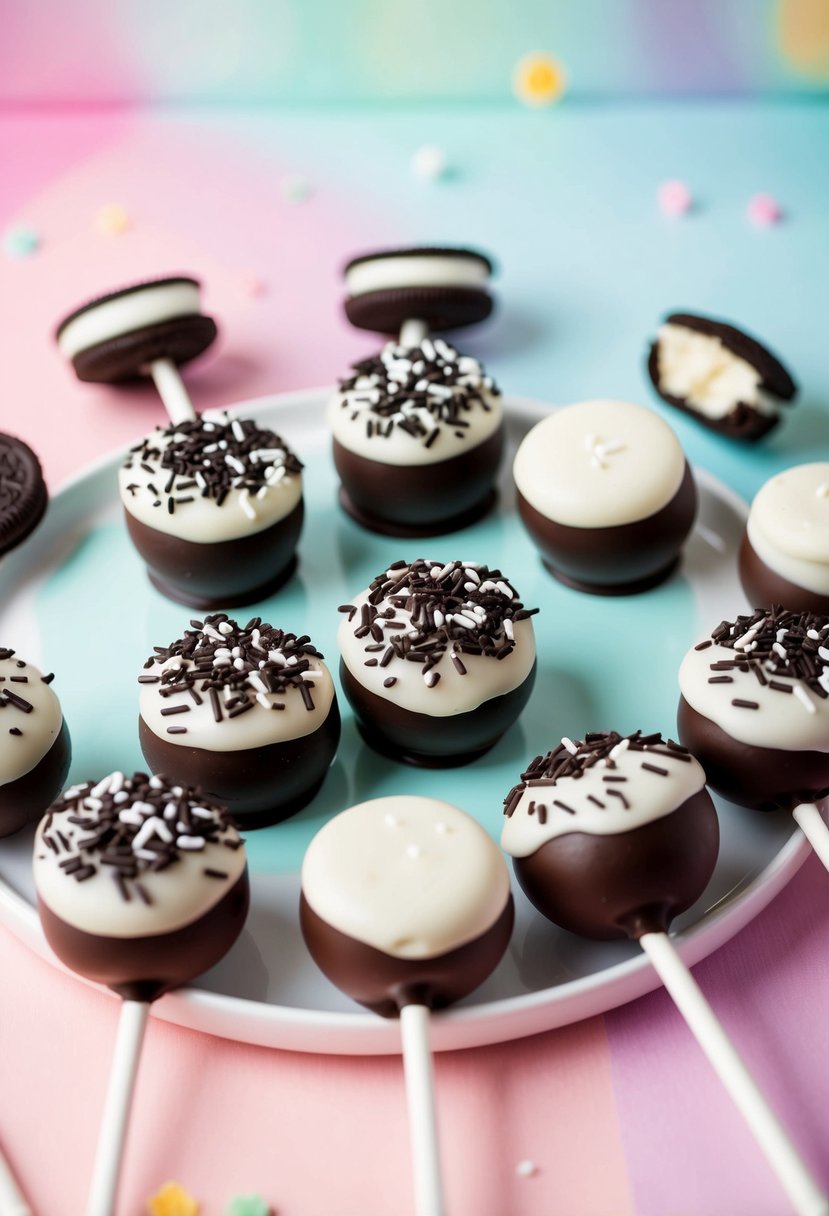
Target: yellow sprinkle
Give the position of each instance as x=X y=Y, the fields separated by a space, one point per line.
x=172 y=1200
x=112 y=219
x=538 y=79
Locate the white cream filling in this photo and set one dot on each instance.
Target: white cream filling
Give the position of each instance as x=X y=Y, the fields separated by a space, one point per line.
x=202 y=521
x=486 y=677
x=788 y=525
x=648 y=796
x=19 y=754
x=180 y=894
x=599 y=464
x=699 y=370
x=413 y=877
x=257 y=727
x=789 y=721
x=150 y=305
x=412 y=270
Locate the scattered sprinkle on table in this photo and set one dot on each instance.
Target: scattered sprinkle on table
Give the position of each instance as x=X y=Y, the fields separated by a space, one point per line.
x=763 y=210
x=539 y=79
x=296 y=188
x=526 y=1169
x=429 y=162
x=20 y=241
x=674 y=197
x=172 y=1200
x=248 y=1205
x=112 y=219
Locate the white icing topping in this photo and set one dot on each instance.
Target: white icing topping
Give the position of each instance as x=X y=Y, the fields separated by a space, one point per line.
x=701 y=371
x=150 y=305
x=180 y=893
x=599 y=464
x=638 y=800
x=19 y=754
x=256 y=727
x=202 y=521
x=413 y=877
x=789 y=721
x=788 y=525
x=486 y=676
x=414 y=270
x=440 y=378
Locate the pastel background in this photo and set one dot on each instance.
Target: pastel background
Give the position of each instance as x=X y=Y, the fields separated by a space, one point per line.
x=262 y=179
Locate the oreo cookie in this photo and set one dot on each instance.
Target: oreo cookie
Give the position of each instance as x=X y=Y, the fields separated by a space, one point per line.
x=719 y=375
x=115 y=337
x=23 y=494
x=443 y=288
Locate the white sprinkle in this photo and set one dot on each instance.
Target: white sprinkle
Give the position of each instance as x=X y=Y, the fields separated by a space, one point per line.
x=781 y=650
x=781 y=633
x=620 y=748
x=823 y=490
x=149 y=828
x=263 y=700
x=472 y=573
x=589 y=441
x=145 y=854
x=504 y=589
x=441 y=828
x=101 y=788
x=611 y=447
x=813 y=634
x=570 y=745
x=802 y=696
x=439 y=618
x=72 y=792
x=130 y=816
x=239 y=664
x=91 y=804
x=428 y=349
x=156 y=783
x=508 y=631
x=222 y=652
x=170 y=811
x=597 y=462
x=210 y=632
x=257 y=682
x=823 y=653
x=246 y=505
x=262 y=492
x=391 y=820
x=225 y=627
x=238 y=433
x=431 y=679
x=193 y=843
x=413 y=850
x=121 y=797
x=526 y=1169
x=234 y=464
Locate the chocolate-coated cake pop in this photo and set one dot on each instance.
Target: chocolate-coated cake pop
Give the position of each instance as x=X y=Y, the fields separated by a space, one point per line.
x=784 y=555
x=215 y=508
x=141 y=884
x=755 y=708
x=35 y=750
x=607 y=495
x=246 y=712
x=405 y=900
x=417 y=429
x=719 y=375
x=437 y=660
x=613 y=836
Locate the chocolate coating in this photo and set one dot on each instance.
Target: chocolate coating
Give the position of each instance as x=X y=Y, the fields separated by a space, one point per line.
x=626 y=884
x=423 y=499
x=143 y=968
x=259 y=785
x=23 y=494
x=384 y=983
x=763 y=778
x=24 y=800
x=433 y=742
x=618 y=560
x=219 y=574
x=765 y=588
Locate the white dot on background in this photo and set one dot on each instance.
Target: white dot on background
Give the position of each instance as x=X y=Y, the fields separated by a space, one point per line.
x=429 y=162
x=526 y=1169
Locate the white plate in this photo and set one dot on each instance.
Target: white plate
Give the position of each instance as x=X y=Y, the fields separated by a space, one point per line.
x=76 y=599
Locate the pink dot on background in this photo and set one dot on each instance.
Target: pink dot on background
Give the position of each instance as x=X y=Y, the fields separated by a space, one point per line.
x=764 y=210
x=674 y=197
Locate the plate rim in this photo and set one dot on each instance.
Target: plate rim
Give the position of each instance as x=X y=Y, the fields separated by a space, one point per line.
x=321 y=1032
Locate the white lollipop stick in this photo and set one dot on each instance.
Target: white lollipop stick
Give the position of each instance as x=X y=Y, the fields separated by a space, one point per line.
x=413 y=331
x=171 y=390
x=814 y=828
x=12 y=1202
x=131 y=1026
x=420 y=1095
x=806 y=1197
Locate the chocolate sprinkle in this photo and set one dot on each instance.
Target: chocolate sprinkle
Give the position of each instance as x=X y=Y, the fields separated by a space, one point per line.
x=773 y=643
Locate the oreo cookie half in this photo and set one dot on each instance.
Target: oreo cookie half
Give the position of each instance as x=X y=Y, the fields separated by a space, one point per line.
x=23 y=494
x=719 y=375
x=116 y=336
x=445 y=288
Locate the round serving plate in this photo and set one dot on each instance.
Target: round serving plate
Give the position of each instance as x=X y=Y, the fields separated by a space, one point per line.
x=75 y=599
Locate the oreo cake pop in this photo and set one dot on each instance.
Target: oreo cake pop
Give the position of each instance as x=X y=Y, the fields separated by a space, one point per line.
x=613 y=836
x=405 y=901
x=246 y=712
x=34 y=743
x=755 y=708
x=437 y=660
x=417 y=429
x=606 y=494
x=141 y=884
x=719 y=375
x=214 y=506
x=784 y=555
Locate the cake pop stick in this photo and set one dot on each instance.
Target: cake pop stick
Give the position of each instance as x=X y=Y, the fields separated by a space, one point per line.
x=613 y=837
x=406 y=906
x=141 y=885
x=12 y=1201
x=754 y=708
x=418 y=429
x=147 y=329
